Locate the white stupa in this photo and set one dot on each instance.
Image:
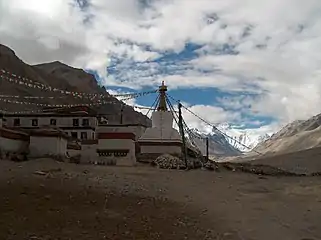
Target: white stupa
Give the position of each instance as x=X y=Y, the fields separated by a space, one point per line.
x=161 y=137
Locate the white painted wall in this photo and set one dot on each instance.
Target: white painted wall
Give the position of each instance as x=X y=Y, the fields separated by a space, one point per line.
x=162 y=128
x=41 y=146
x=162 y=118
x=73 y=152
x=129 y=160
x=12 y=145
x=161 y=131
x=88 y=153
x=161 y=149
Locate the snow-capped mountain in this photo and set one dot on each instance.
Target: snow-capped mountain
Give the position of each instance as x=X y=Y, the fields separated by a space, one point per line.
x=245 y=142
x=242 y=139
x=232 y=141
x=218 y=145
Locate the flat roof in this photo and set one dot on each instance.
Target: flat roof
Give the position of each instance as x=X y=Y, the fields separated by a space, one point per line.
x=78 y=114
x=123 y=125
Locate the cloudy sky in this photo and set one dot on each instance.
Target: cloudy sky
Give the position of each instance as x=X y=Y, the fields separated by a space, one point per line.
x=253 y=64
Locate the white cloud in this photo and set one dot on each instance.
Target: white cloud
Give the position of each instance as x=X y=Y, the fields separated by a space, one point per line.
x=278 y=44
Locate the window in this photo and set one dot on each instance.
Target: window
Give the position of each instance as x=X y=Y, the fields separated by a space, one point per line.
x=53 y=122
x=75 y=122
x=93 y=135
x=34 y=122
x=16 y=122
x=83 y=135
x=85 y=122
x=74 y=135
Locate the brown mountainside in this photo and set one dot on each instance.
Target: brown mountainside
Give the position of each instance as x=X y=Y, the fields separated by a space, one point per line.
x=296 y=136
x=60 y=76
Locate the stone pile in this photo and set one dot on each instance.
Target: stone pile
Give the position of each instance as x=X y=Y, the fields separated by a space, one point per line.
x=210 y=165
x=168 y=161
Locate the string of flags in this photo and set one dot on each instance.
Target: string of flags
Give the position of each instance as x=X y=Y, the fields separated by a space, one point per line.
x=99 y=102
x=61 y=97
x=13 y=78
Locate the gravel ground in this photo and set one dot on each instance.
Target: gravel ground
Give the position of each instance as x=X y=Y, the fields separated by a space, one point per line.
x=44 y=199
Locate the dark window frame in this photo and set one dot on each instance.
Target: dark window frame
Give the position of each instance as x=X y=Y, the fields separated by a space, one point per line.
x=16 y=124
x=75 y=122
x=74 y=133
x=85 y=122
x=34 y=122
x=82 y=134
x=53 y=122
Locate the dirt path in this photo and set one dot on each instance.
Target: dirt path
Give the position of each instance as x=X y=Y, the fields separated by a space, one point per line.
x=89 y=202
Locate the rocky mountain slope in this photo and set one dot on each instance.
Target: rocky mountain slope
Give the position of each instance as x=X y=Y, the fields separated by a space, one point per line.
x=218 y=144
x=296 y=136
x=60 y=76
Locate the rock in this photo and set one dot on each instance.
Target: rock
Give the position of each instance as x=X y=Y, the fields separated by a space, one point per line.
x=168 y=161
x=40 y=173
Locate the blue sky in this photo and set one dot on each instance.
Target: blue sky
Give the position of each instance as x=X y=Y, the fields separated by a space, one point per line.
x=252 y=64
x=171 y=63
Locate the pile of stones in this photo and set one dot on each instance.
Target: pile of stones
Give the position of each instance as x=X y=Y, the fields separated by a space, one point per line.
x=168 y=161
x=211 y=166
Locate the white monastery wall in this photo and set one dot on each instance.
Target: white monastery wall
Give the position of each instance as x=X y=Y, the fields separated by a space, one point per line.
x=161 y=149
x=13 y=141
x=73 y=152
x=45 y=121
x=47 y=145
x=89 y=153
x=110 y=144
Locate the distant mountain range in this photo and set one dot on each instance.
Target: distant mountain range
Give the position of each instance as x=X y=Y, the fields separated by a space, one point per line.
x=224 y=143
x=218 y=144
x=297 y=136
x=243 y=140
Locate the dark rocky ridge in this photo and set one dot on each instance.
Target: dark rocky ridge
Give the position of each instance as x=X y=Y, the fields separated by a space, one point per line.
x=59 y=75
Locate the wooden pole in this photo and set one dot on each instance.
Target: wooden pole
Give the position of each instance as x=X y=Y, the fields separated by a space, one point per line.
x=121 y=114
x=207 y=155
x=180 y=122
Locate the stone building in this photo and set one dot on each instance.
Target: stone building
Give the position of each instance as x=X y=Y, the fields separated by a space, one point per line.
x=77 y=122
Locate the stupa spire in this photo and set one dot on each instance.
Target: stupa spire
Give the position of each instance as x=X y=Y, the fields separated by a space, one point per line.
x=162 y=106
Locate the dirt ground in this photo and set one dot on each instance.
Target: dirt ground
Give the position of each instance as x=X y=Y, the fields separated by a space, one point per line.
x=66 y=201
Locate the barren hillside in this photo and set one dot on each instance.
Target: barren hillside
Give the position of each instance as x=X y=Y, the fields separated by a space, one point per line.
x=60 y=76
x=296 y=136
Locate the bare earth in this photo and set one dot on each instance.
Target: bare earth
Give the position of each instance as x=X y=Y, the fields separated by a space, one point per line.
x=67 y=201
